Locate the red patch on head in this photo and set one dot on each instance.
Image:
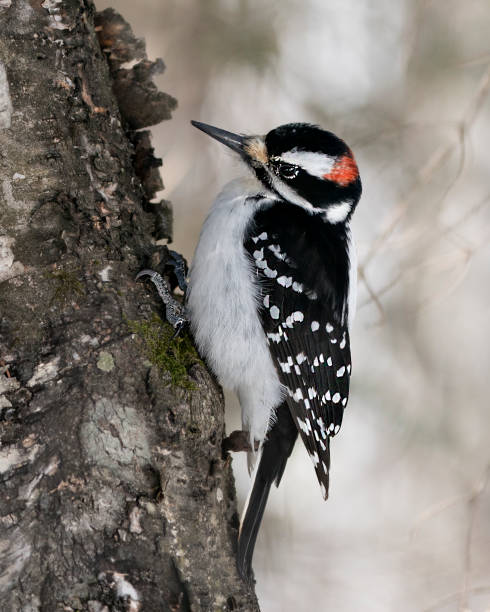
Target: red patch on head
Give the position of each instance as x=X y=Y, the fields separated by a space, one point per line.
x=344 y=171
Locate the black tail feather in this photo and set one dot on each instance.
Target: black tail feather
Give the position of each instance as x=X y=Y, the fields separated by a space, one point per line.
x=274 y=455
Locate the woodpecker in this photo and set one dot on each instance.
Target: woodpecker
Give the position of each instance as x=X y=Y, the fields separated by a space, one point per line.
x=271 y=296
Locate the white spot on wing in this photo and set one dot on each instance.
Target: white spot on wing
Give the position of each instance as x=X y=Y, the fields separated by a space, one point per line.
x=298 y=395
x=302 y=425
x=315 y=458
x=277 y=251
x=285 y=367
x=285 y=281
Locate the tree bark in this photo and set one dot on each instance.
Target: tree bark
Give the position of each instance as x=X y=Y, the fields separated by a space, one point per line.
x=115 y=494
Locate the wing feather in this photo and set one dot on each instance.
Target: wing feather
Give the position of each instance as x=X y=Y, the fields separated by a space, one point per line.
x=308 y=338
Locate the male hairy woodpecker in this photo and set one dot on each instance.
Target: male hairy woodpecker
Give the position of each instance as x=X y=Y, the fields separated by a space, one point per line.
x=271 y=295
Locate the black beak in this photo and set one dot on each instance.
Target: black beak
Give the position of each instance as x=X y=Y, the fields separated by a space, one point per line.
x=234 y=141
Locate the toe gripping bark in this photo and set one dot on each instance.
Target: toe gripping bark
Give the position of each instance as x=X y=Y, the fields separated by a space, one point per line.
x=175 y=311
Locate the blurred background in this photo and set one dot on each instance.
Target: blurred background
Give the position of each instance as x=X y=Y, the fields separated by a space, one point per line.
x=407 y=85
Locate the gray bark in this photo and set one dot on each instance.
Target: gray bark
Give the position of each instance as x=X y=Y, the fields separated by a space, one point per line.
x=115 y=494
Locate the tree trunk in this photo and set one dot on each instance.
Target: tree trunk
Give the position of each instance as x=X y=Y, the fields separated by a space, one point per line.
x=115 y=494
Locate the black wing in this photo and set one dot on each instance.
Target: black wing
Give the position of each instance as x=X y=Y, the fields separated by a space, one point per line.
x=302 y=266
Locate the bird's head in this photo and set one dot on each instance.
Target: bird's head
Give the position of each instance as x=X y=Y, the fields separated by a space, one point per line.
x=302 y=164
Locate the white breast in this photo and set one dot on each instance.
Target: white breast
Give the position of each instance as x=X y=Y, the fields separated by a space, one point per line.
x=222 y=304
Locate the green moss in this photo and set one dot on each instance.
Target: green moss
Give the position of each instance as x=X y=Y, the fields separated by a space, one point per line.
x=67 y=286
x=171 y=355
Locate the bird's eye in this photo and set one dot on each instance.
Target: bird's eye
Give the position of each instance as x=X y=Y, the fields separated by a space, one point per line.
x=288 y=171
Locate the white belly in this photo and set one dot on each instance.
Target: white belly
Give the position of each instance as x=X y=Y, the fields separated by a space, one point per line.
x=222 y=305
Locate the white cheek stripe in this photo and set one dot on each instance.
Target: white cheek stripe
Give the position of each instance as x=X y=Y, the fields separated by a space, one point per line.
x=290 y=195
x=316 y=164
x=336 y=213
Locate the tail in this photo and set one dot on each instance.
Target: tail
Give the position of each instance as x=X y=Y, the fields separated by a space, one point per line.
x=273 y=458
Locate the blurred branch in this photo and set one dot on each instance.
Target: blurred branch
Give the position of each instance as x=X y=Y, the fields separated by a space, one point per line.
x=472 y=500
x=434 y=162
x=453 y=596
x=436 y=509
x=449 y=230
x=472 y=509
x=466 y=216
x=425 y=174
x=373 y=297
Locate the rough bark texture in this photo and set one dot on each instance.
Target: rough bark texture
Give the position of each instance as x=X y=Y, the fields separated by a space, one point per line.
x=114 y=491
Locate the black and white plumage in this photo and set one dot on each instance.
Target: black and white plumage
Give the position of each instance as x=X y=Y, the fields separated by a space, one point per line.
x=271 y=294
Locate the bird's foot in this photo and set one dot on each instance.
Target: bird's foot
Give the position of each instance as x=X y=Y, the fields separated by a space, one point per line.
x=174 y=310
x=178 y=263
x=237 y=442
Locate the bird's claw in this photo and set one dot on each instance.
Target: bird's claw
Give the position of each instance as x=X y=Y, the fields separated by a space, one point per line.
x=174 y=310
x=178 y=264
x=238 y=441
x=145 y=272
x=179 y=326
